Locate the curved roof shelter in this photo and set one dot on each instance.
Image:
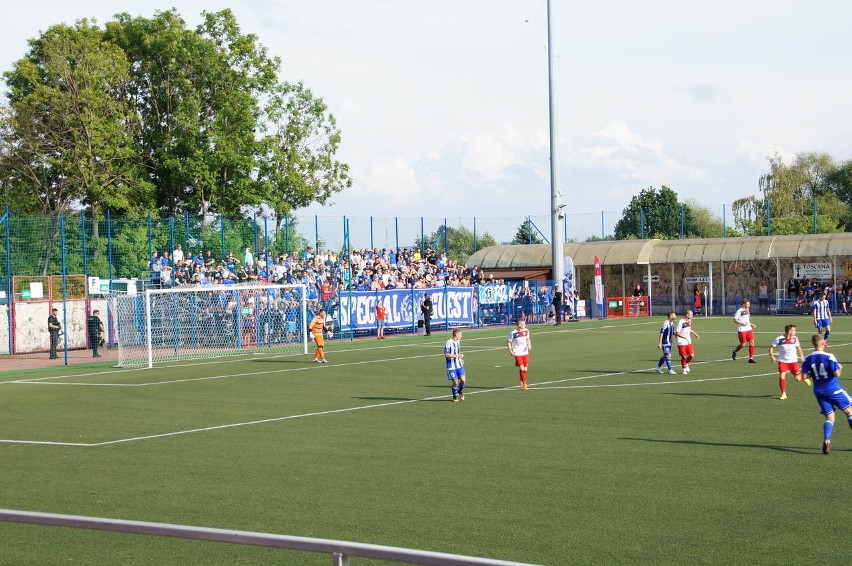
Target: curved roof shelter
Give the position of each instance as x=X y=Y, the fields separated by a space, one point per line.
x=644 y=252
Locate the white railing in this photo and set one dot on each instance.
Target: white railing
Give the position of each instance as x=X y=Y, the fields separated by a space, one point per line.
x=340 y=551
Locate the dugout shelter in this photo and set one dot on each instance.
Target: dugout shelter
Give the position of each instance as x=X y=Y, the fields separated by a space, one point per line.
x=726 y=270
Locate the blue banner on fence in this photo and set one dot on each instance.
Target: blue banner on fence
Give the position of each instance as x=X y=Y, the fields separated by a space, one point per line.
x=493 y=294
x=453 y=305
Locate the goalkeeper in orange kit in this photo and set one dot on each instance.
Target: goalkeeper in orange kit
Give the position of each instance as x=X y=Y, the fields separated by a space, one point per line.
x=317 y=328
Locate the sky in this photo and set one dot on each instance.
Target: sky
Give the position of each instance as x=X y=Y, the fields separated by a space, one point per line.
x=443 y=105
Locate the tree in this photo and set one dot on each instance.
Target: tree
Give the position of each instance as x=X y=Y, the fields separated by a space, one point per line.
x=704 y=223
x=654 y=214
x=789 y=193
x=527 y=234
x=297 y=164
x=66 y=134
x=458 y=242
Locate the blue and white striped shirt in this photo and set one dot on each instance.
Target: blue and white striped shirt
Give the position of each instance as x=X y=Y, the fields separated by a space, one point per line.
x=822 y=310
x=667 y=330
x=453 y=348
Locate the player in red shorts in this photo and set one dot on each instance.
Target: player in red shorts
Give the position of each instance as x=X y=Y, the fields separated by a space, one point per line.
x=684 y=334
x=745 y=331
x=789 y=354
x=519 y=346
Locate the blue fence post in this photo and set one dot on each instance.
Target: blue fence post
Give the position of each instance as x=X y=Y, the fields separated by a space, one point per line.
x=64 y=286
x=9 y=297
x=186 y=223
x=474 y=234
x=268 y=257
x=316 y=232
x=287 y=235
x=422 y=237
x=768 y=218
x=83 y=241
x=815 y=216
x=172 y=238
x=150 y=235
x=372 y=244
x=396 y=230
x=255 y=244
x=446 y=238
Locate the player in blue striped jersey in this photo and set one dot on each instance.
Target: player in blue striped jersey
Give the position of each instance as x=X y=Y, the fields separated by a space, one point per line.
x=665 y=343
x=455 y=364
x=825 y=370
x=822 y=316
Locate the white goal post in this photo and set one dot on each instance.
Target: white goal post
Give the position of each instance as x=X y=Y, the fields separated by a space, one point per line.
x=209 y=321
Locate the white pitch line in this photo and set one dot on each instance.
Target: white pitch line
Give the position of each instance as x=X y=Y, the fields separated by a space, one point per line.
x=538 y=386
x=309 y=367
x=363 y=407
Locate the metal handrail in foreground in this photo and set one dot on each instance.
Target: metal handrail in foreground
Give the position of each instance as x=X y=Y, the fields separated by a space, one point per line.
x=340 y=551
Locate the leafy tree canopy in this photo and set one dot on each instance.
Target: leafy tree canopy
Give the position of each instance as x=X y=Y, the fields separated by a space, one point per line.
x=654 y=214
x=527 y=234
x=148 y=113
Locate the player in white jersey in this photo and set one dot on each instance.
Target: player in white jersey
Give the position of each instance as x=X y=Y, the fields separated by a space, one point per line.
x=684 y=333
x=789 y=354
x=455 y=364
x=822 y=316
x=745 y=331
x=519 y=346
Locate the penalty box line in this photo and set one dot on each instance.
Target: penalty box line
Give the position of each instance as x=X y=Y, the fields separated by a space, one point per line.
x=50 y=380
x=541 y=386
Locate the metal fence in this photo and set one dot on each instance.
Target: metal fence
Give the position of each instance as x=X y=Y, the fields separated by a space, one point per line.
x=339 y=551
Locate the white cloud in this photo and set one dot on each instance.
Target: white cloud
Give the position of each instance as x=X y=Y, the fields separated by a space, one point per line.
x=490 y=155
x=391 y=178
x=758 y=151
x=630 y=156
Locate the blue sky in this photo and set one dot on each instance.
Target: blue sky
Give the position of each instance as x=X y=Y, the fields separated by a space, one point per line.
x=443 y=105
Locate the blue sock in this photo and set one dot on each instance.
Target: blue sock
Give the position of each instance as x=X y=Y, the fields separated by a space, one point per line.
x=826 y=335
x=455 y=391
x=668 y=362
x=461 y=387
x=827 y=428
x=849 y=420
x=662 y=360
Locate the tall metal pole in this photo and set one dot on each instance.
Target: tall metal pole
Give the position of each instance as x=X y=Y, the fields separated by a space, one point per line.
x=556 y=207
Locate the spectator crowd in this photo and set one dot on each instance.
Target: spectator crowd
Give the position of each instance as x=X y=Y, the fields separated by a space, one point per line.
x=328 y=271
x=806 y=291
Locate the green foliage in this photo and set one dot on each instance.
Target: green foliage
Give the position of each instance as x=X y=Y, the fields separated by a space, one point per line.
x=527 y=234
x=67 y=135
x=788 y=193
x=459 y=242
x=593 y=238
x=654 y=214
x=704 y=223
x=146 y=113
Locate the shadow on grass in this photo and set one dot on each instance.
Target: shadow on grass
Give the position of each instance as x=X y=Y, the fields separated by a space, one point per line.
x=797 y=450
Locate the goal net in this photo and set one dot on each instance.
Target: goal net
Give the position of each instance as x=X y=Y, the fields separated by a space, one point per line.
x=216 y=320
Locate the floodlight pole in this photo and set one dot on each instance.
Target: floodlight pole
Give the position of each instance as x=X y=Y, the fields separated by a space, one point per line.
x=556 y=207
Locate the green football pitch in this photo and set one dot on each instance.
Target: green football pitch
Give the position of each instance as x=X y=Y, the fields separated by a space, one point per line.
x=602 y=461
